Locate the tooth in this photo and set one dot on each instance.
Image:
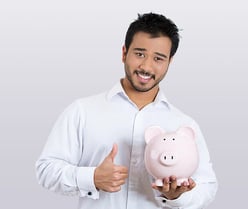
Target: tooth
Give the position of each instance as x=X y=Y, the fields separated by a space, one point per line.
x=145 y=76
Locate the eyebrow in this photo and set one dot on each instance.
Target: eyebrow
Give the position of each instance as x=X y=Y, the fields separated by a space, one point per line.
x=143 y=49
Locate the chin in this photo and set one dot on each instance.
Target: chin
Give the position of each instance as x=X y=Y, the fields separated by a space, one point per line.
x=143 y=89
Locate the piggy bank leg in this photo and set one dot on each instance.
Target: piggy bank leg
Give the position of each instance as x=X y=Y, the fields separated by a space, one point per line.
x=159 y=182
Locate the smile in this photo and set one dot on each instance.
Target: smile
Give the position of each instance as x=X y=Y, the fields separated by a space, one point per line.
x=144 y=75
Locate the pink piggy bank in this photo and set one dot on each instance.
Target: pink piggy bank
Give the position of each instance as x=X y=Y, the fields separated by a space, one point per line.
x=170 y=153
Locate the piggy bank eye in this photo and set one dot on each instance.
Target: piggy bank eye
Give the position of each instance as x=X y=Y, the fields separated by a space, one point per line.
x=164 y=139
x=173 y=139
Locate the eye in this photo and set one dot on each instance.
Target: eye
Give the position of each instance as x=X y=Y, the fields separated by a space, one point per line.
x=164 y=139
x=139 y=54
x=173 y=139
x=158 y=59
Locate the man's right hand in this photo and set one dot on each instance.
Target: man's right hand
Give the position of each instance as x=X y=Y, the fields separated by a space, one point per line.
x=108 y=176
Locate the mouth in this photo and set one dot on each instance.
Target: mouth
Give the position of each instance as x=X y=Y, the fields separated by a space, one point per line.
x=144 y=75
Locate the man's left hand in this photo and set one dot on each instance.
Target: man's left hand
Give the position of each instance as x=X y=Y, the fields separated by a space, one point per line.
x=170 y=190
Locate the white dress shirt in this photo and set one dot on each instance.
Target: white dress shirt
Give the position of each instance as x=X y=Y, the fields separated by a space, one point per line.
x=84 y=135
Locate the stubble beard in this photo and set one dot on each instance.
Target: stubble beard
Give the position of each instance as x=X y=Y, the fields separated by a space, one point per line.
x=138 y=88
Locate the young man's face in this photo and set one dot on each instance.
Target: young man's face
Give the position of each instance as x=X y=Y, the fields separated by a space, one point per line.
x=146 y=61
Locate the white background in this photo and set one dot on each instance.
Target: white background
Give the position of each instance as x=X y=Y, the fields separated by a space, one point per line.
x=53 y=52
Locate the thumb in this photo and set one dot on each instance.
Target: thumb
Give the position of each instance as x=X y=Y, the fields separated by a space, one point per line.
x=113 y=152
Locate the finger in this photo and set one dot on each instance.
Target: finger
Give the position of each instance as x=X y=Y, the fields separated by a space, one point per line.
x=183 y=188
x=154 y=186
x=160 y=189
x=123 y=175
x=113 y=189
x=121 y=169
x=113 y=152
x=119 y=177
x=116 y=185
x=166 y=185
x=173 y=183
x=192 y=184
x=121 y=182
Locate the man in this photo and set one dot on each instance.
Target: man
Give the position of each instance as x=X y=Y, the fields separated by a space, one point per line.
x=96 y=148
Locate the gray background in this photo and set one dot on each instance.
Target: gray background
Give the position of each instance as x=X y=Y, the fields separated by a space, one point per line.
x=52 y=52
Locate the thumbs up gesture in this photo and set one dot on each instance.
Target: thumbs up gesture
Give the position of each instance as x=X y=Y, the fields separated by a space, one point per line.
x=108 y=176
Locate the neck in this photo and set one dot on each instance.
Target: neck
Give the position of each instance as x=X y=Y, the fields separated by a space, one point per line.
x=141 y=99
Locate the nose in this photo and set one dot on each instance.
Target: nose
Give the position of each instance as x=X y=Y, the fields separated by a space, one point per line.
x=168 y=158
x=146 y=64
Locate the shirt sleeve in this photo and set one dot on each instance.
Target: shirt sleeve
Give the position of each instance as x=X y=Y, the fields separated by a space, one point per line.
x=200 y=197
x=206 y=183
x=57 y=168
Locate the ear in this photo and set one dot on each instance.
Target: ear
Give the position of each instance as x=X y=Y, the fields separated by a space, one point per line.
x=152 y=131
x=124 y=53
x=186 y=132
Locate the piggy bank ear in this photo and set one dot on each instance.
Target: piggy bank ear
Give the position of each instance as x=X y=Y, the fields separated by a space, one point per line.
x=151 y=132
x=186 y=132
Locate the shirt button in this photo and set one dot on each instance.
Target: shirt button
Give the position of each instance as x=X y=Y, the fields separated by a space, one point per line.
x=135 y=162
x=89 y=193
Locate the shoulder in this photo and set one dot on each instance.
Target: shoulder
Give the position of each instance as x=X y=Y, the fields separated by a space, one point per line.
x=77 y=109
x=178 y=112
x=183 y=117
x=97 y=99
x=84 y=103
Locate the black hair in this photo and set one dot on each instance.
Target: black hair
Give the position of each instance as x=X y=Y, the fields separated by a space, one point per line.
x=156 y=25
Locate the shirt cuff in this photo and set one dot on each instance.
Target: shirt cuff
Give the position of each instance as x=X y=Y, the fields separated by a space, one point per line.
x=180 y=202
x=85 y=182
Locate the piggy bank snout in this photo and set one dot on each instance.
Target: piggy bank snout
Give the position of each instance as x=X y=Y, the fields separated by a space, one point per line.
x=168 y=158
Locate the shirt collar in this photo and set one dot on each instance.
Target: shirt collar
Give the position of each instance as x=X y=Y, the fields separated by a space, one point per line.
x=117 y=89
x=161 y=98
